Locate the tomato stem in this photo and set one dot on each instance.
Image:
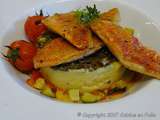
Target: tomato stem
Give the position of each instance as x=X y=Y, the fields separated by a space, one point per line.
x=40 y=13
x=13 y=54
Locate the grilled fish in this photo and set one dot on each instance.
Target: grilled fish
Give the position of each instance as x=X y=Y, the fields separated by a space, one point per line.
x=127 y=49
x=67 y=26
x=112 y=15
x=59 y=51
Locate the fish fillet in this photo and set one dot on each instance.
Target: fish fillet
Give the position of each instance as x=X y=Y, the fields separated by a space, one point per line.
x=68 y=26
x=112 y=15
x=59 y=51
x=128 y=50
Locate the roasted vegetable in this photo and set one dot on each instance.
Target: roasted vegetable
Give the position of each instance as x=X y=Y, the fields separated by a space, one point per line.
x=61 y=95
x=46 y=90
x=74 y=95
x=90 y=98
x=34 y=76
x=39 y=84
x=43 y=39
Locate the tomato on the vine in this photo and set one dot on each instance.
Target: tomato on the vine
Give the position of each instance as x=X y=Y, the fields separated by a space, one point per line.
x=21 y=54
x=34 y=28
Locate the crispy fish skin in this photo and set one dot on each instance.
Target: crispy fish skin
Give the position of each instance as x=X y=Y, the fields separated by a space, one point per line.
x=112 y=15
x=128 y=50
x=68 y=26
x=59 y=51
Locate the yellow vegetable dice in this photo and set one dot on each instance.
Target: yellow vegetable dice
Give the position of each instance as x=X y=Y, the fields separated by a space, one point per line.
x=60 y=95
x=47 y=91
x=39 y=84
x=74 y=94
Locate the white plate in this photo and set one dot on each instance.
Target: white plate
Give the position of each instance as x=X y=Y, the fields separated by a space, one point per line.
x=18 y=101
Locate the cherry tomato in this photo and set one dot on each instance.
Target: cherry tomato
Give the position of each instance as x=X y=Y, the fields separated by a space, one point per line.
x=21 y=54
x=34 y=28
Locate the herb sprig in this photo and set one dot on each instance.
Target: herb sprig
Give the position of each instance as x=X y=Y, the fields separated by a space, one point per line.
x=88 y=14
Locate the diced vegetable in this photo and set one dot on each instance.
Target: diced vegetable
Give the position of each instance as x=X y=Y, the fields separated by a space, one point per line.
x=47 y=91
x=39 y=84
x=115 y=96
x=30 y=82
x=41 y=41
x=61 y=95
x=44 y=38
x=123 y=84
x=50 y=85
x=117 y=90
x=74 y=95
x=99 y=93
x=35 y=75
x=90 y=98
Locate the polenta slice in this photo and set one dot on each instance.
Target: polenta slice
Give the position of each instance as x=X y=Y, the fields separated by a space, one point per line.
x=59 y=51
